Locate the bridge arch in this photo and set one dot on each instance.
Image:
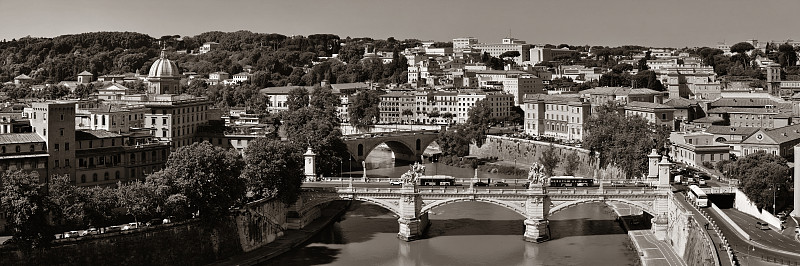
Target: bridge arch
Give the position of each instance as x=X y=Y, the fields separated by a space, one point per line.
x=407 y=147
x=633 y=204
x=310 y=203
x=513 y=207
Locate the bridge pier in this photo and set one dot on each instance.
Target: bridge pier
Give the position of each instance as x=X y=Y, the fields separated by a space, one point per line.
x=537 y=207
x=412 y=222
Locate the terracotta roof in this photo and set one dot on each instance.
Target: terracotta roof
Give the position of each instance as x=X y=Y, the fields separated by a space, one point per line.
x=783 y=134
x=748 y=102
x=724 y=110
x=680 y=102
x=17 y=138
x=619 y=91
x=729 y=130
x=648 y=105
x=552 y=98
x=85 y=73
x=23 y=76
x=94 y=134
x=708 y=119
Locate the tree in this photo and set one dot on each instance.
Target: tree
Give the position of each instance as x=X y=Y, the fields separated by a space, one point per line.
x=297 y=98
x=25 y=206
x=274 y=167
x=787 y=57
x=571 y=163
x=759 y=173
x=68 y=202
x=364 y=110
x=407 y=113
x=138 y=198
x=479 y=118
x=623 y=141
x=741 y=47
x=549 y=160
x=208 y=177
x=509 y=54
x=455 y=141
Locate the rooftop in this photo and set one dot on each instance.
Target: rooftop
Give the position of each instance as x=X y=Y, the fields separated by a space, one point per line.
x=94 y=134
x=648 y=105
x=20 y=138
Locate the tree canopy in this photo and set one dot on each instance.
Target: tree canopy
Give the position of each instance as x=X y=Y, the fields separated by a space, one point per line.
x=623 y=140
x=26 y=206
x=364 y=110
x=759 y=173
x=274 y=167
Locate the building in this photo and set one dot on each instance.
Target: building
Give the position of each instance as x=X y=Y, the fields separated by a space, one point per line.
x=514 y=82
x=397 y=107
x=753 y=117
x=218 y=76
x=110 y=117
x=499 y=102
x=85 y=77
x=164 y=76
x=777 y=141
x=431 y=105
x=242 y=77
x=697 y=148
x=112 y=91
x=208 y=47
x=175 y=118
x=623 y=95
x=541 y=54
x=54 y=122
x=24 y=151
x=655 y=113
x=507 y=45
x=459 y=44
x=558 y=116
x=105 y=158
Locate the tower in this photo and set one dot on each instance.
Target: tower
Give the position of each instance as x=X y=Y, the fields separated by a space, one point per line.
x=55 y=123
x=310 y=170
x=774 y=79
x=164 y=76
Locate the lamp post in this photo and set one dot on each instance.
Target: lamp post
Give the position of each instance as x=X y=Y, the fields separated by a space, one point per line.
x=341 y=182
x=774 y=198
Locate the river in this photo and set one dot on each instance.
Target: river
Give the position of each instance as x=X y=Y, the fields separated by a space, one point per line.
x=467 y=233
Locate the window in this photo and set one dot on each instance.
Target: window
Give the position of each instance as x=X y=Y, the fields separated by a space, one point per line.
x=91 y=143
x=66 y=162
x=66 y=146
x=94 y=177
x=45 y=132
x=33 y=148
x=153 y=121
x=56 y=148
x=83 y=178
x=61 y=130
x=164 y=121
x=113 y=142
x=116 y=175
x=62 y=117
x=55 y=163
x=17 y=148
x=105 y=176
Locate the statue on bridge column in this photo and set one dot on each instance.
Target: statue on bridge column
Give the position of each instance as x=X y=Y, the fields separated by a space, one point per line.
x=417 y=170
x=536 y=176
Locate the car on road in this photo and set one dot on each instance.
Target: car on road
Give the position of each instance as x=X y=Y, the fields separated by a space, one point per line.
x=130 y=226
x=500 y=184
x=762 y=225
x=70 y=234
x=395 y=182
x=481 y=184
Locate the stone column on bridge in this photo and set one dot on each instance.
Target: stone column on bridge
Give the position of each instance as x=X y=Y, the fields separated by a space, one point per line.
x=412 y=223
x=310 y=169
x=652 y=163
x=660 y=221
x=537 y=207
x=663 y=172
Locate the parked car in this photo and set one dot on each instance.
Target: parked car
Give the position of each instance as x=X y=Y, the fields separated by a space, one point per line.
x=500 y=184
x=130 y=226
x=395 y=182
x=93 y=231
x=154 y=221
x=481 y=184
x=112 y=229
x=762 y=225
x=70 y=234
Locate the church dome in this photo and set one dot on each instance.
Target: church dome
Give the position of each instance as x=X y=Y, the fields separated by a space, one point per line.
x=163 y=68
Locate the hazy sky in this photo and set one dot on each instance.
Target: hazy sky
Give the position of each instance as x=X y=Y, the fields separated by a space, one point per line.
x=672 y=23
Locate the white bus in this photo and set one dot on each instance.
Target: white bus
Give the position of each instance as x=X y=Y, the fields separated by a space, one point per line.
x=698 y=197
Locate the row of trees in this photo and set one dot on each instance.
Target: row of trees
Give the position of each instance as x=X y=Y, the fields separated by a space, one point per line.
x=198 y=180
x=765 y=179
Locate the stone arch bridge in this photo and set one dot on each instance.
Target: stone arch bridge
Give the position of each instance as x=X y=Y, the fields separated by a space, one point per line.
x=406 y=145
x=412 y=204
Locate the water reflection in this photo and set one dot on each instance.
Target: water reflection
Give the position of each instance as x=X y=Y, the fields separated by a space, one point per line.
x=467 y=233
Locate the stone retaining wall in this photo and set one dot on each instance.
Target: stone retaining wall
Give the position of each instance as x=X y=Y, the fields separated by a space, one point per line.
x=526 y=152
x=184 y=243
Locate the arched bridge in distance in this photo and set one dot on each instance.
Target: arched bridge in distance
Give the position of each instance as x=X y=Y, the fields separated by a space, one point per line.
x=406 y=145
x=412 y=204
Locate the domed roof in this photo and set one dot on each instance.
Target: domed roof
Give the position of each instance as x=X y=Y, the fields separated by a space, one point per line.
x=163 y=68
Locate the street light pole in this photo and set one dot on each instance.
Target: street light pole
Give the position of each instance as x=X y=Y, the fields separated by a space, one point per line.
x=774 y=187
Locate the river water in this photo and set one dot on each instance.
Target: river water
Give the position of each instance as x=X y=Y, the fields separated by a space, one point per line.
x=467 y=233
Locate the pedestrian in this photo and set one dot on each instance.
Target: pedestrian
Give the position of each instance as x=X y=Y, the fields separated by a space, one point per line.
x=706 y=226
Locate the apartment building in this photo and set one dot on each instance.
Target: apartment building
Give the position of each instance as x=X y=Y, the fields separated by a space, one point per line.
x=558 y=116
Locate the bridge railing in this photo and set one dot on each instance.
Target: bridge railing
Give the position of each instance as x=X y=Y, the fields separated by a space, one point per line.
x=467 y=190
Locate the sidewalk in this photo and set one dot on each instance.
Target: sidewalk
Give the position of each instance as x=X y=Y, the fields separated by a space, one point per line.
x=654 y=252
x=291 y=238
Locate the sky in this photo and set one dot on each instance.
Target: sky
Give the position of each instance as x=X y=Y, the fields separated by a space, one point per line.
x=657 y=23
